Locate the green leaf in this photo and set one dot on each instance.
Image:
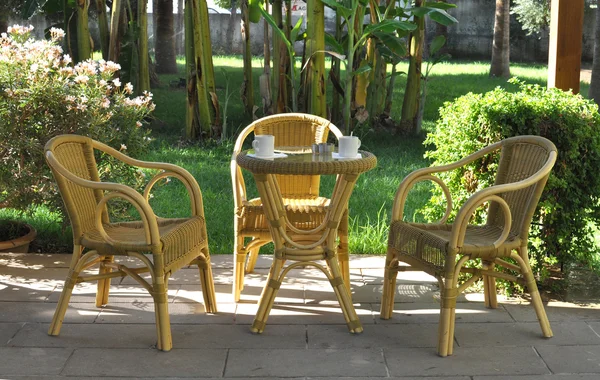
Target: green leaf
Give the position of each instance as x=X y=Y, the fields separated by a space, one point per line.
x=339 y=8
x=388 y=26
x=440 y=5
x=333 y=43
x=296 y=30
x=395 y=45
x=436 y=44
x=442 y=17
x=363 y=69
x=53 y=6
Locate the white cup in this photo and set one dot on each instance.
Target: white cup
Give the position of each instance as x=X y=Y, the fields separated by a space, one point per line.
x=348 y=146
x=264 y=145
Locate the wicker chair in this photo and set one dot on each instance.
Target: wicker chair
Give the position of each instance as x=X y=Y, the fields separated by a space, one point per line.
x=173 y=243
x=441 y=249
x=306 y=209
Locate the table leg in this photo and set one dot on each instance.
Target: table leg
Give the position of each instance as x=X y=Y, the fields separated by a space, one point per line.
x=267 y=298
x=343 y=295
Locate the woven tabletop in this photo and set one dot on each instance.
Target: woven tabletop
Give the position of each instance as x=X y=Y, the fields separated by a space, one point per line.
x=307 y=164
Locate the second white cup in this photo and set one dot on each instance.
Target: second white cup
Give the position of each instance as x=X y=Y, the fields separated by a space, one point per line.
x=348 y=146
x=264 y=145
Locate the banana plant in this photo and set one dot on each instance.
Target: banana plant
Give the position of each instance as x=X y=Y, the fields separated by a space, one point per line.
x=350 y=11
x=295 y=35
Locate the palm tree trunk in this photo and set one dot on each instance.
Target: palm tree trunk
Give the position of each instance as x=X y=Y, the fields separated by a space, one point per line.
x=336 y=114
x=103 y=27
x=115 y=17
x=500 y=66
x=209 y=70
x=246 y=91
x=279 y=82
x=594 y=92
x=412 y=94
x=317 y=97
x=84 y=48
x=166 y=62
x=191 y=120
x=144 y=64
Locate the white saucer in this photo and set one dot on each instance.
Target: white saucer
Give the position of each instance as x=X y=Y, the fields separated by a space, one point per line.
x=337 y=156
x=275 y=155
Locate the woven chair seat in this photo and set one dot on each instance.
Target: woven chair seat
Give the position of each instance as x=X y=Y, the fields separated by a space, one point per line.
x=303 y=213
x=428 y=243
x=178 y=236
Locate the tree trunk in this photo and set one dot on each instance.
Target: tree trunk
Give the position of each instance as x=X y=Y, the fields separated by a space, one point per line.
x=412 y=94
x=231 y=26
x=164 y=48
x=279 y=63
x=115 y=17
x=209 y=71
x=180 y=31
x=265 y=78
x=246 y=92
x=192 y=126
x=144 y=64
x=594 y=92
x=103 y=27
x=317 y=99
x=197 y=88
x=500 y=66
x=335 y=74
x=84 y=48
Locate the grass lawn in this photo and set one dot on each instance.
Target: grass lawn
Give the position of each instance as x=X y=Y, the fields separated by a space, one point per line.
x=371 y=202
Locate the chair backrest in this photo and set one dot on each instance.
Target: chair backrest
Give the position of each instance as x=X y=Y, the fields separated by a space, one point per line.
x=293 y=129
x=75 y=154
x=522 y=157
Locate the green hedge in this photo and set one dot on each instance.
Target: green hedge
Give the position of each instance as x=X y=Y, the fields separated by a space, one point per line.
x=564 y=225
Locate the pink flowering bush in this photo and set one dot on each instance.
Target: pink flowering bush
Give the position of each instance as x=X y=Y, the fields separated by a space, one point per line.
x=43 y=95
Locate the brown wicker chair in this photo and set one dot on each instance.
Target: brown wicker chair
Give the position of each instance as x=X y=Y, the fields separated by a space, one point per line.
x=441 y=249
x=306 y=209
x=173 y=243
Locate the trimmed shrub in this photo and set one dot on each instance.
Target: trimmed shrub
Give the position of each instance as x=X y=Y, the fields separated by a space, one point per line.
x=563 y=226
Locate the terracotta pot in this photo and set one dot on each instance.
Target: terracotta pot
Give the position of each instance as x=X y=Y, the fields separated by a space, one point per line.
x=20 y=244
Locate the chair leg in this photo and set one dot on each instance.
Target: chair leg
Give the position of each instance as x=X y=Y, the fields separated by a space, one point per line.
x=252 y=258
x=489 y=287
x=207 y=283
x=65 y=295
x=239 y=262
x=104 y=284
x=536 y=299
x=389 y=287
x=447 y=318
x=267 y=298
x=163 y=322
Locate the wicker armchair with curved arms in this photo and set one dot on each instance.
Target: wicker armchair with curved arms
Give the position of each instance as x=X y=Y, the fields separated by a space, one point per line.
x=305 y=208
x=173 y=243
x=441 y=249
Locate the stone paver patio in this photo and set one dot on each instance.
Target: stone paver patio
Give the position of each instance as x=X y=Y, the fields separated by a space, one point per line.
x=305 y=338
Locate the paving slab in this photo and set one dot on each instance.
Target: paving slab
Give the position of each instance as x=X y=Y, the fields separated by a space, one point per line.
x=86 y=293
x=264 y=363
x=145 y=363
x=595 y=326
x=44 y=311
x=8 y=331
x=524 y=334
x=556 y=311
x=571 y=359
x=377 y=336
x=395 y=378
x=540 y=377
x=429 y=312
x=465 y=362
x=88 y=335
x=35 y=260
x=186 y=313
x=292 y=314
x=238 y=336
x=375 y=277
x=33 y=361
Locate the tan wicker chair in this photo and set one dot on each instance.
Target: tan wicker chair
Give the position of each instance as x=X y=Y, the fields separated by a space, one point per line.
x=173 y=243
x=306 y=209
x=441 y=249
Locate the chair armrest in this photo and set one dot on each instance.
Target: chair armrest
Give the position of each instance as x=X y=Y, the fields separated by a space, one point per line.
x=169 y=170
x=192 y=188
x=237 y=179
x=427 y=174
x=116 y=190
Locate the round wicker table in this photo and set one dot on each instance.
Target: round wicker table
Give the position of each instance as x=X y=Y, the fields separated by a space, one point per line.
x=308 y=246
